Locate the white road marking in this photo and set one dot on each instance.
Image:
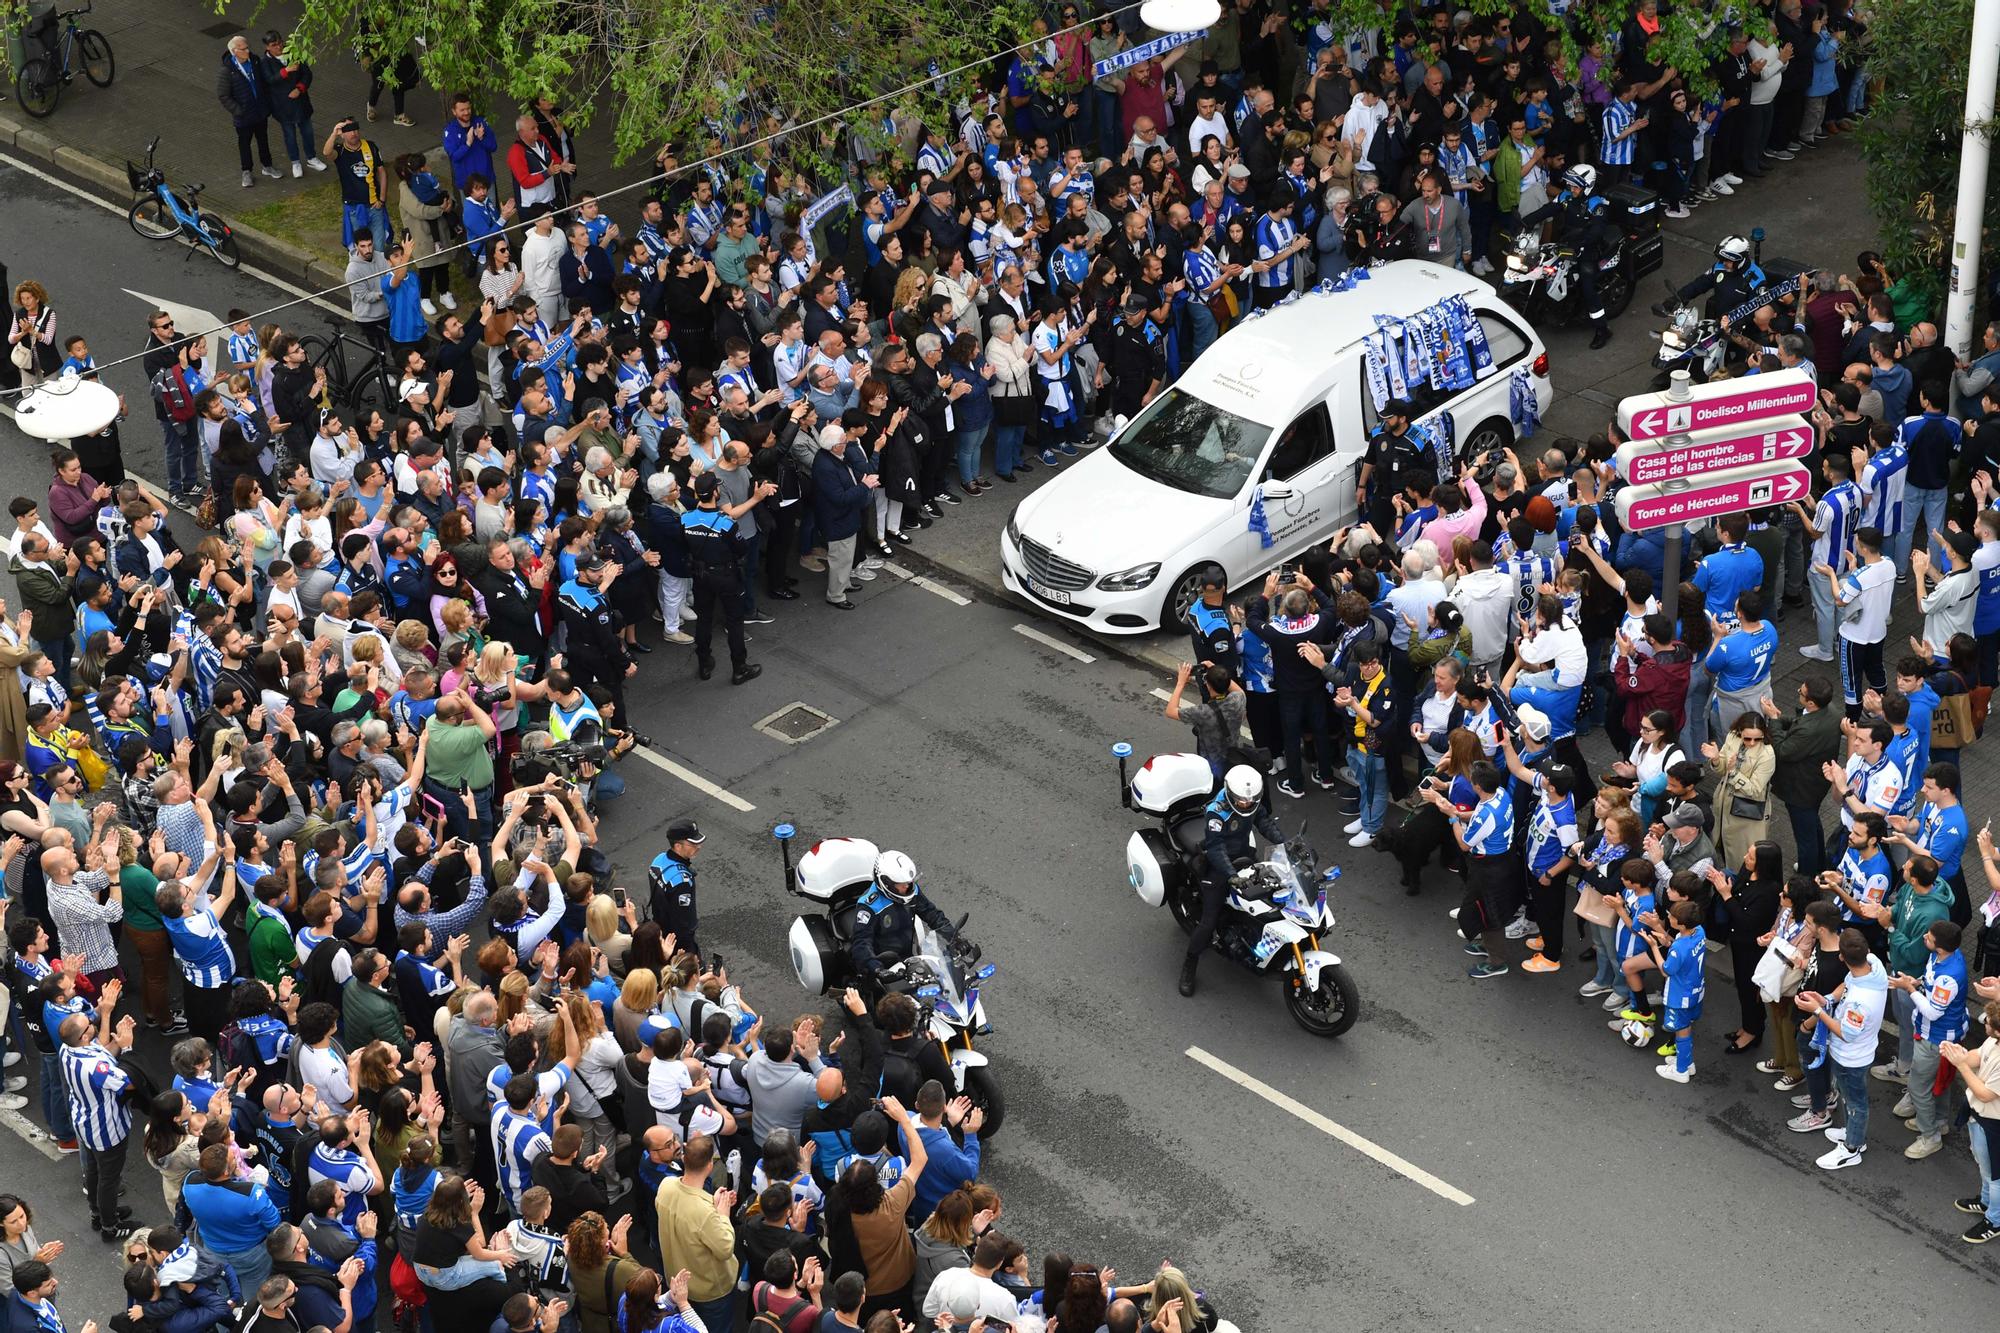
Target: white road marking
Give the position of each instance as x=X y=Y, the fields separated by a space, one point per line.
x=32 y=1133
x=693 y=779
x=928 y=585
x=119 y=210
x=1333 y=1129
x=1048 y=641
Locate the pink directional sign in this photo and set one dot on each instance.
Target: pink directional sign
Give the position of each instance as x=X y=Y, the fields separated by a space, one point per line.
x=1711 y=496
x=1650 y=461
x=1654 y=416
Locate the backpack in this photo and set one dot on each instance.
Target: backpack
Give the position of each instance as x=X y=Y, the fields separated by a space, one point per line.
x=727 y=1077
x=236 y=1050
x=170 y=391
x=316 y=980
x=900 y=1077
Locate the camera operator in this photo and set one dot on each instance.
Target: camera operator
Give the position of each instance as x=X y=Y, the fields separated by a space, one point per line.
x=581 y=744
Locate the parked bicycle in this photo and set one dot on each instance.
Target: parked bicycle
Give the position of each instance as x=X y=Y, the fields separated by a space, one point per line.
x=363 y=384
x=159 y=214
x=38 y=86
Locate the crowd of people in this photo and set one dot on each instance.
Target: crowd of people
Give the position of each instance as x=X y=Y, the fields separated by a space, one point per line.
x=325 y=784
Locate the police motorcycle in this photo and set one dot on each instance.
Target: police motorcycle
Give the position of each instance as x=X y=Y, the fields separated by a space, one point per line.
x=1269 y=923
x=1539 y=278
x=1739 y=281
x=943 y=975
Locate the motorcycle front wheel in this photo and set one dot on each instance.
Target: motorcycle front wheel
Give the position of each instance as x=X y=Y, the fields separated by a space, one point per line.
x=984 y=1091
x=1328 y=1009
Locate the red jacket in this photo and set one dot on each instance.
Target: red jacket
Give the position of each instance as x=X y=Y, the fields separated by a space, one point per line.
x=1660 y=681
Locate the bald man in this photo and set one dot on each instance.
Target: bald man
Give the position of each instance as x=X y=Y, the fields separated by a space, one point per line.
x=841 y=1102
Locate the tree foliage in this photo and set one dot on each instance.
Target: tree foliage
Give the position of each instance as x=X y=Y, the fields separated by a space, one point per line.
x=1918 y=53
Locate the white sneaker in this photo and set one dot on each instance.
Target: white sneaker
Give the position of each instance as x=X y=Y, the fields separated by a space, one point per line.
x=13 y=1058
x=1482 y=266
x=1814 y=652
x=1590 y=990
x=1520 y=928
x=1613 y=1002
x=1673 y=1075
x=1722 y=186
x=1732 y=178
x=1361 y=839
x=429 y=309
x=13 y=1101
x=315 y=164
x=270 y=171
x=1903 y=1107
x=865 y=575
x=688 y=614
x=1888 y=1073
x=1352 y=826
x=1923 y=1148
x=248 y=180
x=448 y=301
x=298 y=170
x=1677 y=212
x=1839 y=1157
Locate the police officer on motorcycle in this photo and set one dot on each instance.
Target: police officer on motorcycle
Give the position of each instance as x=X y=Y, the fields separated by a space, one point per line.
x=885 y=930
x=1587 y=232
x=1236 y=810
x=1730 y=284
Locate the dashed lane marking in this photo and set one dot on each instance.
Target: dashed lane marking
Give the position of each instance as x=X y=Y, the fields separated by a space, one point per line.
x=1049 y=641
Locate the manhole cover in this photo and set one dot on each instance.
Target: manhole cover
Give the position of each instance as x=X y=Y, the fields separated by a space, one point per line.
x=795 y=723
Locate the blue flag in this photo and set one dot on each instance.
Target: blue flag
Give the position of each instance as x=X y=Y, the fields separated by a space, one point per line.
x=1259 y=524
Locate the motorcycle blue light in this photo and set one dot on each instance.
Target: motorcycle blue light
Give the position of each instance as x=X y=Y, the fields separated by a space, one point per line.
x=929 y=992
x=1122 y=750
x=784 y=833
x=1330 y=874
x=987 y=971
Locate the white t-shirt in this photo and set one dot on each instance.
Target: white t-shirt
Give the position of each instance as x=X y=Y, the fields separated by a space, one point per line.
x=1561 y=649
x=1866 y=592
x=667 y=1081
x=1200 y=127
x=327 y=1072
x=1364 y=120
x=1857 y=1019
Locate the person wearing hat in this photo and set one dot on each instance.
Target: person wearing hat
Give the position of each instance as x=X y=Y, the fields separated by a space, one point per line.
x=288 y=82
x=716 y=553
x=1685 y=847
x=1138 y=360
x=1393 y=456
x=596 y=652
x=672 y=877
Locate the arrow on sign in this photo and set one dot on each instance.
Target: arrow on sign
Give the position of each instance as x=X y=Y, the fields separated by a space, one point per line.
x=1719 y=493
x=1654 y=416
x=1646 y=462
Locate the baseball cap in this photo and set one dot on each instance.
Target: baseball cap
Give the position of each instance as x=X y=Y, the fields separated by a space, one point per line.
x=1135 y=304
x=1534 y=722
x=1962 y=544
x=684 y=830
x=1687 y=815
x=1239 y=172
x=590 y=564
x=706 y=485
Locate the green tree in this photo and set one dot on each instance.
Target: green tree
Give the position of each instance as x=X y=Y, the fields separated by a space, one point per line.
x=1917 y=49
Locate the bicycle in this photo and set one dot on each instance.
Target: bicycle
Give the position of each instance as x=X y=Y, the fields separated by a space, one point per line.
x=159 y=214
x=38 y=87
x=370 y=387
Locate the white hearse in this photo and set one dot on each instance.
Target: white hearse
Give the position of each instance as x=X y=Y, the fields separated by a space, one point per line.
x=1119 y=539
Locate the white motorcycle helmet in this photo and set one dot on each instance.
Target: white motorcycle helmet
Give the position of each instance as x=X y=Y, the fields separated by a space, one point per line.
x=897 y=874
x=1582 y=178
x=1245 y=786
x=1732 y=252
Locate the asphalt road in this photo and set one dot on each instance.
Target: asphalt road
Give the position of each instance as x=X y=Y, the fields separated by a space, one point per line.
x=1598 y=1192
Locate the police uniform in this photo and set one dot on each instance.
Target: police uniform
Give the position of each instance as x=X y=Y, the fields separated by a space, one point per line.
x=1225 y=838
x=1727 y=287
x=1138 y=359
x=673 y=888
x=715 y=554
x=1214 y=637
x=595 y=653
x=1584 y=228
x=1393 y=460
x=884 y=930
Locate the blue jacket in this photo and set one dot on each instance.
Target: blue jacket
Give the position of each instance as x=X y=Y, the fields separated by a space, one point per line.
x=468 y=157
x=839 y=497
x=950 y=1166
x=1825 y=78
x=233 y=1216
x=177 y=1311
x=1644 y=550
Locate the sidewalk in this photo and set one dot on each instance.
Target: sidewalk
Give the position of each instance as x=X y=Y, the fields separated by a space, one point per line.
x=167 y=54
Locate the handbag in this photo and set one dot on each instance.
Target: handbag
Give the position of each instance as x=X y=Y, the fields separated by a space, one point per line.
x=1742 y=807
x=1776 y=976
x=1952 y=723
x=1014 y=409
x=497 y=328
x=22 y=355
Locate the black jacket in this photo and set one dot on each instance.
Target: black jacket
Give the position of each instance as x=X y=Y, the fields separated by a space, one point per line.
x=1291 y=673
x=511 y=606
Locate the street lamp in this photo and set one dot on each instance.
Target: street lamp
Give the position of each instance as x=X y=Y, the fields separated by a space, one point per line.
x=66 y=407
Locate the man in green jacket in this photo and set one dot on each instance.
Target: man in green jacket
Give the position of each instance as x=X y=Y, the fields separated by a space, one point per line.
x=367 y=1011
x=45 y=595
x=1803 y=743
x=1922 y=900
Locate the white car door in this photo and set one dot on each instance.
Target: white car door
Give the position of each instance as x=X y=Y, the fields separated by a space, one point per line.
x=1302 y=484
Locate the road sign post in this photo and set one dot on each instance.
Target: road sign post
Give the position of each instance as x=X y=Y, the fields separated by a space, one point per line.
x=1696 y=454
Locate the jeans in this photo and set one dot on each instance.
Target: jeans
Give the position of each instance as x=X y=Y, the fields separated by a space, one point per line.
x=1983 y=1153
x=299 y=141
x=1298 y=710
x=479 y=829
x=1701 y=688
x=354 y=217
x=1933 y=1111
x=1205 y=328
x=102 y=1172
x=1930 y=503
x=1824 y=613
x=460 y=1275
x=251 y=1266
x=183 y=456
x=1604 y=939
x=968 y=442
x=1107 y=121
x=55 y=1099
x=1853 y=1084
x=1810 y=836
x=1007 y=448
x=1902 y=1008
x=1371 y=778
x=717 y=1316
